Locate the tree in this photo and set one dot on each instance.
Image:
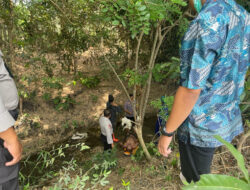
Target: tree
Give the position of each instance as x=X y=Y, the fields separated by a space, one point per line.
x=141 y=18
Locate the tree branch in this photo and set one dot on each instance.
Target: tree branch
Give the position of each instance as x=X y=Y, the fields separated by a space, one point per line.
x=146 y=89
x=242 y=140
x=61 y=11
x=136 y=69
x=117 y=76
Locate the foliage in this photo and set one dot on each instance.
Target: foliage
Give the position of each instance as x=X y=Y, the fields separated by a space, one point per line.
x=245 y=4
x=152 y=148
x=134 y=78
x=59 y=102
x=237 y=155
x=245 y=107
x=63 y=103
x=53 y=83
x=168 y=70
x=140 y=15
x=44 y=161
x=126 y=184
x=94 y=98
x=215 y=181
x=141 y=18
x=90 y=82
x=168 y=100
x=97 y=174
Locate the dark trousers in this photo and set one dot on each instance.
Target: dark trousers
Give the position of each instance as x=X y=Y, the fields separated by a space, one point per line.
x=8 y=175
x=10 y=185
x=195 y=160
x=105 y=143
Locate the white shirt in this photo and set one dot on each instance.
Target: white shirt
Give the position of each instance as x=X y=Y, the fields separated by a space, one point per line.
x=8 y=97
x=106 y=128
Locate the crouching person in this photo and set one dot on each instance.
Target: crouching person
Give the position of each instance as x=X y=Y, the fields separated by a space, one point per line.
x=130 y=145
x=106 y=130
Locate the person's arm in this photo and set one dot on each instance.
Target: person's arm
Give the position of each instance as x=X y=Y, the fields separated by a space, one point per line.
x=8 y=134
x=184 y=102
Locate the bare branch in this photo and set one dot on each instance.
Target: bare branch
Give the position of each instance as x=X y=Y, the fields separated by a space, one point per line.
x=136 y=69
x=151 y=66
x=189 y=14
x=61 y=11
x=117 y=76
x=242 y=140
x=146 y=86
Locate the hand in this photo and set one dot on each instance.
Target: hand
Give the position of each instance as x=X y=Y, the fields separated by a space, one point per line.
x=163 y=145
x=15 y=149
x=112 y=145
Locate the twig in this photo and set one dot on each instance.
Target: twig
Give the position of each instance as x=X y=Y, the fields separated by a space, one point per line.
x=245 y=103
x=136 y=69
x=245 y=147
x=242 y=140
x=189 y=14
x=60 y=11
x=143 y=104
x=223 y=163
x=117 y=76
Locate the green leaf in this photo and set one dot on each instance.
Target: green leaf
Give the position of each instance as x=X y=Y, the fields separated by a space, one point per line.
x=115 y=22
x=105 y=10
x=237 y=155
x=218 y=182
x=142 y=8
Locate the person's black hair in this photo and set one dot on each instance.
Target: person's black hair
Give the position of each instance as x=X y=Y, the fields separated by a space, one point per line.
x=111 y=98
x=106 y=113
x=130 y=95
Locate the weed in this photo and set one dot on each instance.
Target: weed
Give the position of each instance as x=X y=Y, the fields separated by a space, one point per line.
x=121 y=171
x=63 y=103
x=90 y=82
x=53 y=83
x=47 y=96
x=94 y=98
x=152 y=149
x=126 y=184
x=44 y=161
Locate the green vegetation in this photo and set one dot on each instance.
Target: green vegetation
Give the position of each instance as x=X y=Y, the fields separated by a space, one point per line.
x=62 y=51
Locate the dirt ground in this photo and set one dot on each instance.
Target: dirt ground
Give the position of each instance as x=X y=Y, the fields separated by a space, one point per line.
x=41 y=127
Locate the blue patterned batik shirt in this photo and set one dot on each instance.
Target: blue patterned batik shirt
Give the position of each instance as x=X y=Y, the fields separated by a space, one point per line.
x=215 y=58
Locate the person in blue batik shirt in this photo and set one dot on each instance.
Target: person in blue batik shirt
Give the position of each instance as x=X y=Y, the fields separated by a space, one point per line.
x=161 y=117
x=214 y=61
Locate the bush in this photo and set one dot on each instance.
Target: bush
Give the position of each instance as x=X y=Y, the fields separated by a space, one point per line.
x=90 y=82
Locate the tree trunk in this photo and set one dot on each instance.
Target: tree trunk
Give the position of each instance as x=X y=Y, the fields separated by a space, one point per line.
x=10 y=36
x=138 y=130
x=75 y=62
x=21 y=105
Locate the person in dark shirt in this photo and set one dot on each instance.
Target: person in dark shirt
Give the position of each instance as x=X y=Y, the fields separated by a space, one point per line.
x=114 y=110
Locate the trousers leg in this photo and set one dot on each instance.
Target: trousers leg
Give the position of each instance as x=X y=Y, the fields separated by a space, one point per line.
x=195 y=160
x=106 y=146
x=10 y=185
